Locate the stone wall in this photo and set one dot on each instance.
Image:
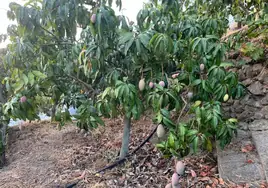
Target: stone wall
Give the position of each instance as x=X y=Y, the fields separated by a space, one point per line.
x=251 y=107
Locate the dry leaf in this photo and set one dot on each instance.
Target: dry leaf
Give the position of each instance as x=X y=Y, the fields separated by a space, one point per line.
x=215 y=181
x=203 y=173
x=193 y=173
x=204 y=179
x=247 y=148
x=221 y=182
x=249 y=161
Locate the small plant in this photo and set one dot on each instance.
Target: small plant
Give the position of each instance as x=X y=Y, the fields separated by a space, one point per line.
x=252 y=51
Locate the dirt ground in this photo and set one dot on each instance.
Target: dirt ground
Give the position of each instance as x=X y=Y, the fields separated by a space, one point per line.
x=41 y=155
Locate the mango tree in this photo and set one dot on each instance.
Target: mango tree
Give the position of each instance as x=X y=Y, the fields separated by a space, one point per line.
x=42 y=58
x=186 y=47
x=172 y=61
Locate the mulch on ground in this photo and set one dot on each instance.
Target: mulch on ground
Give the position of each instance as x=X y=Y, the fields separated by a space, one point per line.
x=40 y=155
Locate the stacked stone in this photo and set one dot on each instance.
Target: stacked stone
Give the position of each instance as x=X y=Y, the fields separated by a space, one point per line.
x=251 y=107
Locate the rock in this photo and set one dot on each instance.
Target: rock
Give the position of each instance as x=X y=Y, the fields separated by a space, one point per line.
x=256 y=88
x=247 y=114
x=239 y=109
x=261 y=141
x=258 y=125
x=247 y=82
x=255 y=104
x=258 y=115
x=226 y=109
x=264 y=100
x=243 y=126
x=233 y=115
x=241 y=75
x=236 y=103
x=257 y=68
x=263 y=76
x=264 y=110
x=242 y=134
x=251 y=108
x=248 y=71
x=244 y=99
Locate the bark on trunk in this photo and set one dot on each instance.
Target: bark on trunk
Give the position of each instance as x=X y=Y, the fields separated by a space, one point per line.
x=3 y=129
x=126 y=136
x=53 y=111
x=3 y=144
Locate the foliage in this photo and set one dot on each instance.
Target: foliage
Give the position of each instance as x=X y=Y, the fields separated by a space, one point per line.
x=88 y=116
x=252 y=51
x=175 y=47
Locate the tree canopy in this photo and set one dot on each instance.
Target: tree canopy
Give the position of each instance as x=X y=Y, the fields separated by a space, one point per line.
x=172 y=61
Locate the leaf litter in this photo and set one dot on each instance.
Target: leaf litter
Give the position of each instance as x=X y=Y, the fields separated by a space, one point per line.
x=40 y=155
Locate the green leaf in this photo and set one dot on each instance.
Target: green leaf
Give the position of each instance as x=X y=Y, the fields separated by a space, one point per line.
x=128 y=45
x=39 y=74
x=171 y=140
x=226 y=64
x=25 y=79
x=196 y=82
x=31 y=78
x=18 y=85
x=195 y=144
x=168 y=122
x=182 y=131
x=161 y=146
x=191 y=133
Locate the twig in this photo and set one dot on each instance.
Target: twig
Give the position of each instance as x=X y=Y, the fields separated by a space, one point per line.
x=185 y=105
x=82 y=82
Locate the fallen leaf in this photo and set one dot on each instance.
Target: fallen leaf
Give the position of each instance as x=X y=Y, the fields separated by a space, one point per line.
x=247 y=148
x=193 y=173
x=203 y=173
x=221 y=182
x=249 y=161
x=215 y=181
x=204 y=179
x=82 y=175
x=214 y=170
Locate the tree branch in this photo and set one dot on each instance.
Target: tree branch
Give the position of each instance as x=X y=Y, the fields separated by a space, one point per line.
x=244 y=28
x=82 y=82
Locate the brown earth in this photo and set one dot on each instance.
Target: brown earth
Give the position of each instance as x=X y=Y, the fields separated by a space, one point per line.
x=40 y=155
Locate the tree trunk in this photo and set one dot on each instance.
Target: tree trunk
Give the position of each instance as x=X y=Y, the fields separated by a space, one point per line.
x=53 y=111
x=3 y=128
x=2 y=95
x=126 y=136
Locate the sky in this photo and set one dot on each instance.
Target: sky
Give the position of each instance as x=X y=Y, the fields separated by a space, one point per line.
x=130 y=9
